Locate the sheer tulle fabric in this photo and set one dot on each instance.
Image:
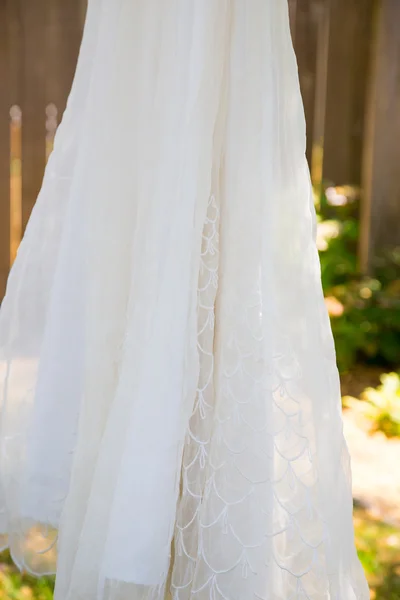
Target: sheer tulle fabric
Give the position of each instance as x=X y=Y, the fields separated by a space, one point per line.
x=170 y=418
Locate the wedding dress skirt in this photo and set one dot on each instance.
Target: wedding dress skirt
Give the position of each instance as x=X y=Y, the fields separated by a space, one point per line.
x=171 y=422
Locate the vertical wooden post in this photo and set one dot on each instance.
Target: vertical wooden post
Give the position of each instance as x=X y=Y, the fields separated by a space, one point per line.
x=349 y=51
x=33 y=102
x=380 y=217
x=304 y=32
x=4 y=153
x=318 y=139
x=15 y=88
x=63 y=36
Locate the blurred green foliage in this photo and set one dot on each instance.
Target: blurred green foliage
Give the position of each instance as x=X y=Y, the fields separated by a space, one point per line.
x=365 y=311
x=382 y=405
x=17 y=586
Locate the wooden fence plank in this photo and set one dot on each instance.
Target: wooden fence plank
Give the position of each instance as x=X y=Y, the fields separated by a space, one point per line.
x=349 y=45
x=323 y=11
x=380 y=217
x=15 y=88
x=63 y=36
x=33 y=102
x=4 y=153
x=305 y=34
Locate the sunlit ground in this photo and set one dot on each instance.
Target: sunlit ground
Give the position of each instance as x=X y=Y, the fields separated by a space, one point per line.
x=376 y=486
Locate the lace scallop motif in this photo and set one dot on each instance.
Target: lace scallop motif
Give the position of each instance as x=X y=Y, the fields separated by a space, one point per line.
x=248 y=510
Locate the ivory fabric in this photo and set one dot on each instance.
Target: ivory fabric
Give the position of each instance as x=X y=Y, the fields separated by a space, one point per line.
x=171 y=421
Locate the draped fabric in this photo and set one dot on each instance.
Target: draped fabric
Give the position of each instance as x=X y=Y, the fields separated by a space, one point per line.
x=170 y=417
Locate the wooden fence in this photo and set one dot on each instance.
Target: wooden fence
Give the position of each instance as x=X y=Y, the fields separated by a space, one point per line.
x=348 y=53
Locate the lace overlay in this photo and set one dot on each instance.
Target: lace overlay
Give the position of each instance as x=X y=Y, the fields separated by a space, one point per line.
x=188 y=532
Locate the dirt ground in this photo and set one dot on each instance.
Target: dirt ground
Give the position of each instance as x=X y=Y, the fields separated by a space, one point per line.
x=375 y=458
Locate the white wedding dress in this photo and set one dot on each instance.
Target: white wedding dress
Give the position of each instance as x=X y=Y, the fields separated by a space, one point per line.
x=171 y=422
